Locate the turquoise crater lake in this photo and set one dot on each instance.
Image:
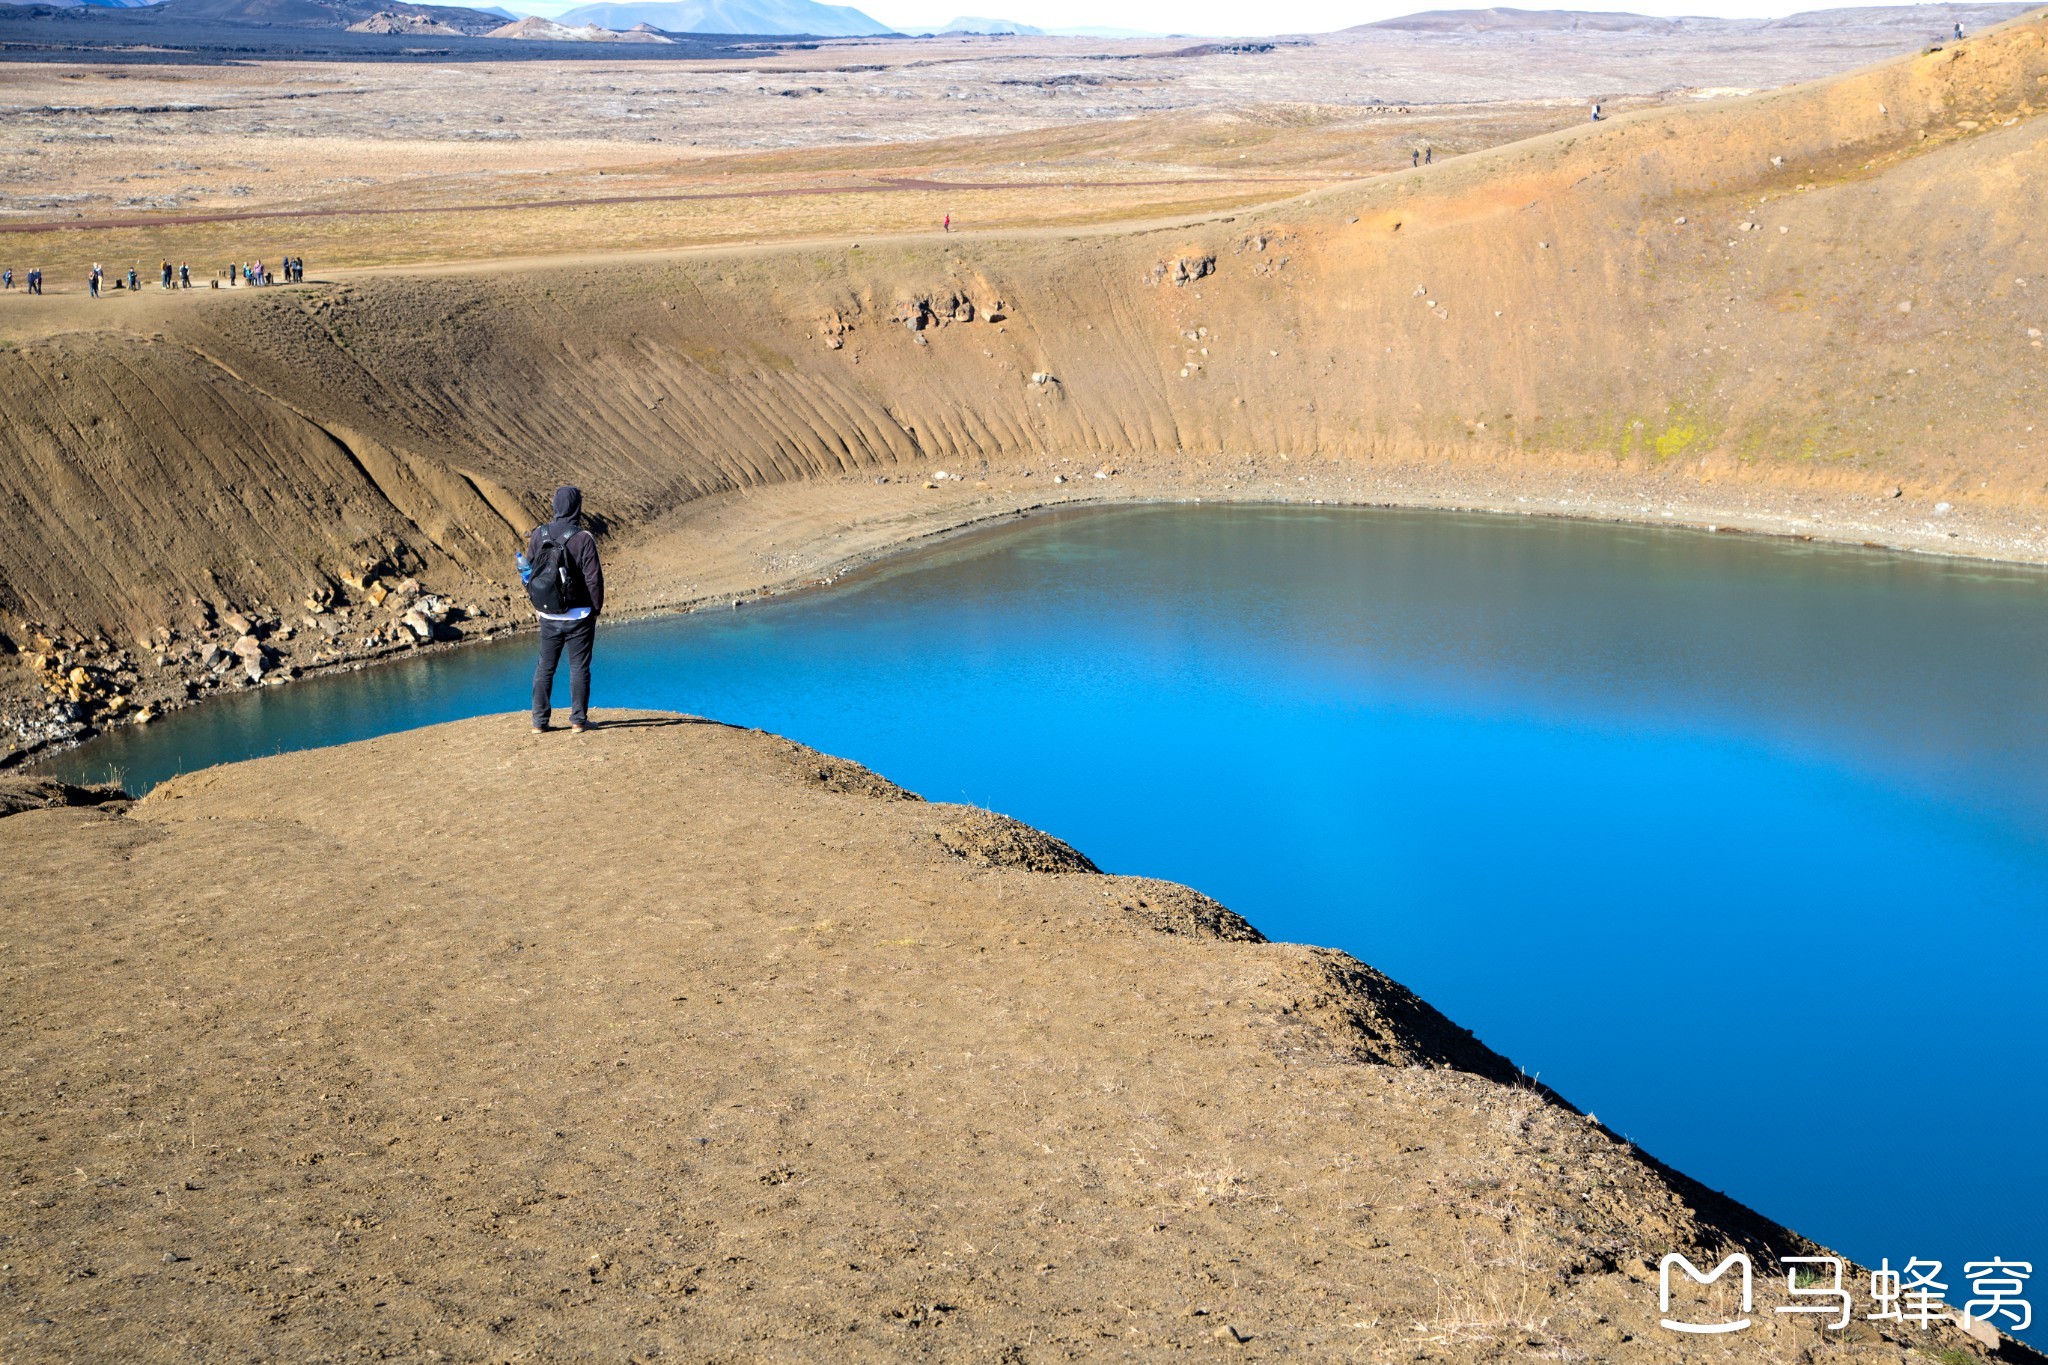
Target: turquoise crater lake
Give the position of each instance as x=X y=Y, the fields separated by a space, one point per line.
x=1740 y=844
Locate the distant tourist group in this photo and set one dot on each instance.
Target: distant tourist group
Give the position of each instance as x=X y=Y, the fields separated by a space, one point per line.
x=292 y=270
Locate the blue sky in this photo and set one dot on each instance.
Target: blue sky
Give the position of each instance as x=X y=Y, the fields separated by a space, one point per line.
x=1235 y=18
x=1221 y=17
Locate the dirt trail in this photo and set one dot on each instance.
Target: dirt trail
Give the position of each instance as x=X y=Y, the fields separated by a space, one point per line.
x=876 y=185
x=751 y=1056
x=1815 y=311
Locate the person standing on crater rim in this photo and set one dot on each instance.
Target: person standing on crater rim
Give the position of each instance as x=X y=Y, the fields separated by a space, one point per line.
x=565 y=582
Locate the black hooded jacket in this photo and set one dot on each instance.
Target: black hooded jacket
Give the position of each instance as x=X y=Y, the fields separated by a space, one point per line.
x=582 y=546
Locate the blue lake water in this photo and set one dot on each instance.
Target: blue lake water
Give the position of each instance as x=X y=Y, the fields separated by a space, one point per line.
x=1740 y=844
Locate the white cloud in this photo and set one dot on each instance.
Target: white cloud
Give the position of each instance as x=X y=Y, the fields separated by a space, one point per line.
x=1218 y=17
x=1212 y=18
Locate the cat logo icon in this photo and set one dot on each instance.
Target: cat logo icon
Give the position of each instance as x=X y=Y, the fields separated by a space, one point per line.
x=1693 y=1273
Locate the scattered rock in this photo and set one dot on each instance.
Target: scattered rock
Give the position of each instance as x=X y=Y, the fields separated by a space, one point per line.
x=1980 y=1331
x=843 y=775
x=238 y=623
x=1170 y=908
x=1942 y=509
x=1236 y=1336
x=18 y=793
x=994 y=840
x=1182 y=270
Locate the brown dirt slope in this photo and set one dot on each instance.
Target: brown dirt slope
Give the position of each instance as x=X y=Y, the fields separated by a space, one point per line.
x=753 y=1056
x=1850 y=301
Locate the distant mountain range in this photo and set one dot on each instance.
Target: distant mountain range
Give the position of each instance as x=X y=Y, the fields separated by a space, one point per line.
x=968 y=23
x=547 y=30
x=650 y=21
x=1496 y=19
x=362 y=16
x=731 y=16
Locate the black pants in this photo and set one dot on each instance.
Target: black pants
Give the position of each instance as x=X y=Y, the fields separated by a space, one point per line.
x=557 y=637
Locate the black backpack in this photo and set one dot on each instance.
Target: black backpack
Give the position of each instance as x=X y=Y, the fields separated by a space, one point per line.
x=554 y=585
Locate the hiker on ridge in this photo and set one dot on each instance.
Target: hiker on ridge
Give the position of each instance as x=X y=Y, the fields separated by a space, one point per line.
x=565 y=582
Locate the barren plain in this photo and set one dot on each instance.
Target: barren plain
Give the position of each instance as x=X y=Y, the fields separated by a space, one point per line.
x=816 y=140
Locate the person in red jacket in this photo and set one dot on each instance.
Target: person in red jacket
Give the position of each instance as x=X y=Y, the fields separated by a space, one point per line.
x=570 y=626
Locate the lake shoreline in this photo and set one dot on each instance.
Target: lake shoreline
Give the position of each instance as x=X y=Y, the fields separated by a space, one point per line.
x=657 y=571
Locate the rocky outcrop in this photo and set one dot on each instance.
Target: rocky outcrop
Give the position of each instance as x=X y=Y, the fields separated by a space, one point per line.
x=534 y=28
x=1182 y=270
x=385 y=21
x=19 y=793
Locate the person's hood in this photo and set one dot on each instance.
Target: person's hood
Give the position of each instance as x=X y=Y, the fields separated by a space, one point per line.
x=568 y=503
